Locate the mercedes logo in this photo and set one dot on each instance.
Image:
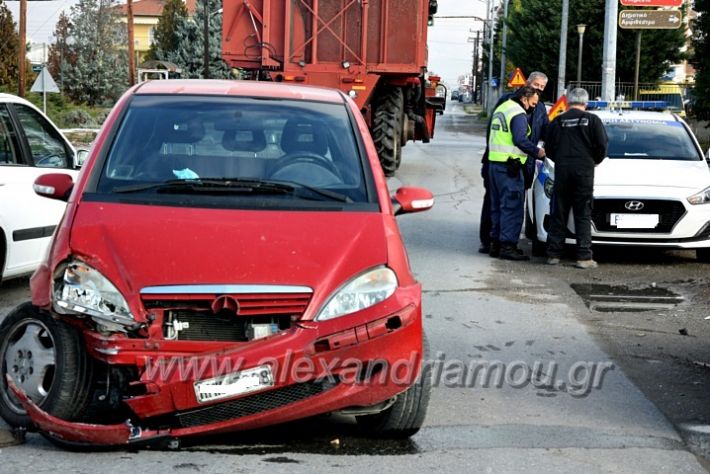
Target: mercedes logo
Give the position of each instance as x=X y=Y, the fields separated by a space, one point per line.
x=634 y=205
x=225 y=303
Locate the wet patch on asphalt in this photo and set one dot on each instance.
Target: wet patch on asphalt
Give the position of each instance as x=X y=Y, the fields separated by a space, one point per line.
x=610 y=298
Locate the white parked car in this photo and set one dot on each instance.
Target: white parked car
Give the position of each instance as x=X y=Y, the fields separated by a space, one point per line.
x=653 y=190
x=30 y=146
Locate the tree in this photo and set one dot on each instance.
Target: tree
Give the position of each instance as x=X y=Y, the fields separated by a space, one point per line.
x=701 y=60
x=166 y=36
x=189 y=52
x=534 y=34
x=9 y=49
x=99 y=72
x=60 y=54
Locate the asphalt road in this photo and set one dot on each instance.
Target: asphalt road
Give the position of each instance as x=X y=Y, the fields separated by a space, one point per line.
x=588 y=386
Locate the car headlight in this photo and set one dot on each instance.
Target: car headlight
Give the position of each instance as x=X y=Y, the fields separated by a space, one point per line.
x=703 y=197
x=368 y=289
x=547 y=186
x=83 y=290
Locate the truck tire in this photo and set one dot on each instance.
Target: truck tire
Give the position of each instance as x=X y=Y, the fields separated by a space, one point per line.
x=47 y=359
x=387 y=128
x=406 y=416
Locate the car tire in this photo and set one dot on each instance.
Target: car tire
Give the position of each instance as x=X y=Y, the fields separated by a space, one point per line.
x=406 y=416
x=387 y=128
x=703 y=255
x=538 y=248
x=57 y=376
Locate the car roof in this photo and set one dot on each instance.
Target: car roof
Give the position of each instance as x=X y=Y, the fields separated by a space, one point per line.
x=617 y=115
x=278 y=90
x=13 y=98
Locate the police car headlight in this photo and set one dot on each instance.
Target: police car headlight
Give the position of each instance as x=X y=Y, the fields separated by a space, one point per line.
x=547 y=187
x=363 y=291
x=703 y=197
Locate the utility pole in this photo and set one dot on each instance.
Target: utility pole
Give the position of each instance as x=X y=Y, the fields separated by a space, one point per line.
x=609 y=52
x=504 y=43
x=638 y=64
x=491 y=31
x=475 y=68
x=22 y=53
x=561 y=79
x=206 y=59
x=131 y=46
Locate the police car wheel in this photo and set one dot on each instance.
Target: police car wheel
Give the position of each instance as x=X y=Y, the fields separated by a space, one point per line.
x=703 y=255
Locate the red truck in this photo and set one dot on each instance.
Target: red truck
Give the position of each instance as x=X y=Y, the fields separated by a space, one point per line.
x=373 y=50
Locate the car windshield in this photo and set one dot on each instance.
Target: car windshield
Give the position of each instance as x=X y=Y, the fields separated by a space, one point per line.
x=235 y=147
x=650 y=139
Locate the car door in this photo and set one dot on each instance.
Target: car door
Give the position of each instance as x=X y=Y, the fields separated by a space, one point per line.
x=30 y=147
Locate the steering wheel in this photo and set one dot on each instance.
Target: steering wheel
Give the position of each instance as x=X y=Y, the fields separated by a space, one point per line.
x=49 y=161
x=305 y=157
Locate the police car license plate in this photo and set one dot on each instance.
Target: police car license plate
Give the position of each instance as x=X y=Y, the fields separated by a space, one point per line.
x=238 y=383
x=633 y=221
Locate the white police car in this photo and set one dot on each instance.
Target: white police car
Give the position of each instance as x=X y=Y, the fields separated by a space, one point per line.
x=652 y=190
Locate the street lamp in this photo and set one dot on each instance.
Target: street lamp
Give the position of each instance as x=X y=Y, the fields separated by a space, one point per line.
x=580 y=29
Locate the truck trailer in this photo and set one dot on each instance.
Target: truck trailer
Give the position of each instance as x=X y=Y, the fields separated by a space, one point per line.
x=373 y=50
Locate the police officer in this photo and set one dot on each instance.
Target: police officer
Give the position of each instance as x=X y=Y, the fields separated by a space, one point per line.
x=576 y=142
x=509 y=146
x=538 y=124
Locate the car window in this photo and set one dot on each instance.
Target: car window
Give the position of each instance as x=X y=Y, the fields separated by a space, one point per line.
x=304 y=143
x=9 y=148
x=46 y=145
x=651 y=139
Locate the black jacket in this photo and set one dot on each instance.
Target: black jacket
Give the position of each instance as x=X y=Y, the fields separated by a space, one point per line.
x=576 y=138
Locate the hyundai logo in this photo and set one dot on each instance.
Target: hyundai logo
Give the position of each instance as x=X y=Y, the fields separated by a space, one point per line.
x=634 y=205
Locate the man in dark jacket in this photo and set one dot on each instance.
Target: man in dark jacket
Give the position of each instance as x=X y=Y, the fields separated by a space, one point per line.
x=538 y=124
x=576 y=142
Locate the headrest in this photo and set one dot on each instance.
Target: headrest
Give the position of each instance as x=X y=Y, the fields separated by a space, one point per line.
x=177 y=130
x=249 y=139
x=303 y=135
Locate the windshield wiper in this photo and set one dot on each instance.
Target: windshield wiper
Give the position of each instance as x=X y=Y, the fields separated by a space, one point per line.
x=208 y=185
x=332 y=195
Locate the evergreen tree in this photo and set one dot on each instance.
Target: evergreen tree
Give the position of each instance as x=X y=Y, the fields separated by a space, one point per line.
x=166 y=37
x=701 y=60
x=60 y=54
x=99 y=73
x=534 y=36
x=189 y=53
x=9 y=49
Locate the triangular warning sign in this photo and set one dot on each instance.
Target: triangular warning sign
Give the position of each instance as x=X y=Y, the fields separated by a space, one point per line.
x=44 y=82
x=517 y=79
x=557 y=109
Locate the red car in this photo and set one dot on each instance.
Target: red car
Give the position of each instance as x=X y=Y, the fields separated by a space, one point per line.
x=229 y=259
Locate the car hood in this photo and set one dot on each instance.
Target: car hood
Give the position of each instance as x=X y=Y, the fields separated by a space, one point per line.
x=693 y=175
x=136 y=246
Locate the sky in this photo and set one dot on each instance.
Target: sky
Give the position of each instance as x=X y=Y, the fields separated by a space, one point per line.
x=450 y=53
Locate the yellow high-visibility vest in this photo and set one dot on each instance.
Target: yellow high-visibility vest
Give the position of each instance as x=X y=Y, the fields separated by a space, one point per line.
x=500 y=143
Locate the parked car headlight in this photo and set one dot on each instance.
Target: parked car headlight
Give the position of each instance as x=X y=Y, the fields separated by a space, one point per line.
x=83 y=290
x=547 y=187
x=368 y=289
x=703 y=197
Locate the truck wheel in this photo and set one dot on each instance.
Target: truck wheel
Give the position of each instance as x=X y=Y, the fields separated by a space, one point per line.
x=47 y=360
x=387 y=128
x=406 y=416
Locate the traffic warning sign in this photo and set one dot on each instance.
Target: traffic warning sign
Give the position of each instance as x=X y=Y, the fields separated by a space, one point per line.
x=517 y=79
x=559 y=108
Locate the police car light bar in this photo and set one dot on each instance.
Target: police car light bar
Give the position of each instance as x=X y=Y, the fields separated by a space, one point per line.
x=635 y=104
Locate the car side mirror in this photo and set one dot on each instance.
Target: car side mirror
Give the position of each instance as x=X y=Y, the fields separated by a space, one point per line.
x=410 y=199
x=81 y=155
x=54 y=186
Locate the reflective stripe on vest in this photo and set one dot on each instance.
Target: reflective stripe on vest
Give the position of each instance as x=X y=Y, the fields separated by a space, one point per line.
x=500 y=143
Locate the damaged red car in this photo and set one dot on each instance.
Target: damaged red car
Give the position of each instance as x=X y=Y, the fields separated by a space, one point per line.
x=229 y=259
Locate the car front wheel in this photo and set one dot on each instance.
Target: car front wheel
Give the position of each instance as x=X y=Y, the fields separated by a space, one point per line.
x=406 y=416
x=703 y=255
x=46 y=359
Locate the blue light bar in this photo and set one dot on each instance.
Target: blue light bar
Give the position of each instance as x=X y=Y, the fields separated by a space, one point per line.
x=635 y=104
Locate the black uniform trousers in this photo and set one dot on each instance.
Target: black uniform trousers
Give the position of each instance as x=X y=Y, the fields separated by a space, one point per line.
x=573 y=189
x=484 y=229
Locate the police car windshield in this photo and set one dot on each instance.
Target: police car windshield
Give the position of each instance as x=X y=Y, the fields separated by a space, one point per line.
x=650 y=139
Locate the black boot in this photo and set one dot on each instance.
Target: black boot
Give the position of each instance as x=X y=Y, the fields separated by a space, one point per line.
x=511 y=252
x=494 y=249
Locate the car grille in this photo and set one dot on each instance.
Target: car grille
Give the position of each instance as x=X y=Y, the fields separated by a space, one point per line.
x=669 y=213
x=191 y=318
x=250 y=405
